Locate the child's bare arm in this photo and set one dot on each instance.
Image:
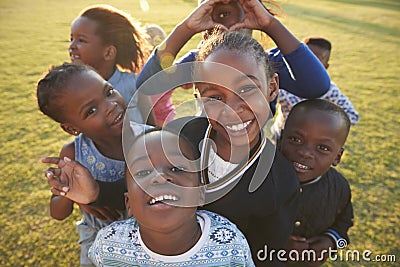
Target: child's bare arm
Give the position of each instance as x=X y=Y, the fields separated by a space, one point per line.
x=71 y=182
x=146 y=110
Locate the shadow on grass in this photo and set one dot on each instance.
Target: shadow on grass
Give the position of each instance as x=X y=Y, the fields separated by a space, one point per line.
x=356 y=27
x=385 y=4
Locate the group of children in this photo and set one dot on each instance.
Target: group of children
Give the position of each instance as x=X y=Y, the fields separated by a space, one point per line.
x=208 y=190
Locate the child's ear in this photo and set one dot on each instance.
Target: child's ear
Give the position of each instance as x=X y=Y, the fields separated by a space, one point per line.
x=110 y=53
x=69 y=129
x=338 y=157
x=273 y=87
x=128 y=208
x=279 y=140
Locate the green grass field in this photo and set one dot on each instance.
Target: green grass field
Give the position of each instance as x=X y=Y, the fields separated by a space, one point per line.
x=365 y=64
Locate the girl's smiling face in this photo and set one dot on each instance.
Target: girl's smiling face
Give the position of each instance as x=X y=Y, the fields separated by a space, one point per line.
x=92 y=106
x=85 y=45
x=238 y=109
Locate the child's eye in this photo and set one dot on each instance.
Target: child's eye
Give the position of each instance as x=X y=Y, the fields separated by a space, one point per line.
x=141 y=174
x=211 y=99
x=323 y=148
x=247 y=88
x=91 y=111
x=294 y=139
x=223 y=14
x=110 y=92
x=178 y=169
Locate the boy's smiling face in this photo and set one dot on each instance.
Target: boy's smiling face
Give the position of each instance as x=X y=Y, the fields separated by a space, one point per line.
x=162 y=180
x=312 y=141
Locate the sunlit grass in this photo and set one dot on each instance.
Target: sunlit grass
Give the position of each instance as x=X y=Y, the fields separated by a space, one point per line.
x=365 y=65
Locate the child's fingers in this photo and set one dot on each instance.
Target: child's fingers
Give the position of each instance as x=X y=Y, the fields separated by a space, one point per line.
x=54 y=182
x=57 y=192
x=73 y=164
x=51 y=160
x=236 y=26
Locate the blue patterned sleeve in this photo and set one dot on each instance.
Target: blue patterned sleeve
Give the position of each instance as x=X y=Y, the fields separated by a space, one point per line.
x=300 y=72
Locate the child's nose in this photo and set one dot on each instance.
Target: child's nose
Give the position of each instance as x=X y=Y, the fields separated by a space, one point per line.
x=305 y=152
x=234 y=104
x=160 y=178
x=111 y=107
x=72 y=44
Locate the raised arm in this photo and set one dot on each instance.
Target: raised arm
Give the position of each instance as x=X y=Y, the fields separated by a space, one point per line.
x=164 y=55
x=300 y=72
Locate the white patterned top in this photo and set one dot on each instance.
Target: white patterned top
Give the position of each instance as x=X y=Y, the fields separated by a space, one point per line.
x=287 y=101
x=221 y=244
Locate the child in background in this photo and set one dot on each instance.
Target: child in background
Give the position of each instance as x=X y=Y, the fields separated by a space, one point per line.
x=89 y=108
x=163 y=109
x=321 y=47
x=313 y=139
x=299 y=71
x=165 y=231
x=107 y=39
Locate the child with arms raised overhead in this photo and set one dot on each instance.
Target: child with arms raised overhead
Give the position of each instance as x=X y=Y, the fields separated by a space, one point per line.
x=247 y=181
x=107 y=39
x=312 y=140
x=163 y=182
x=321 y=47
x=299 y=71
x=89 y=108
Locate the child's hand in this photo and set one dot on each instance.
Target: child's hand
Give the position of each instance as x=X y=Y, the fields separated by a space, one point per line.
x=201 y=18
x=71 y=180
x=256 y=16
x=103 y=212
x=297 y=243
x=321 y=244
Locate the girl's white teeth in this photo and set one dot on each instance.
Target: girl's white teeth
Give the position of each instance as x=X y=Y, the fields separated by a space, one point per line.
x=238 y=127
x=162 y=198
x=301 y=166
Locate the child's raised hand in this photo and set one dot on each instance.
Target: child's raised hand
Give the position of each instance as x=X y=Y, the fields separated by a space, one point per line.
x=256 y=16
x=321 y=244
x=201 y=18
x=71 y=180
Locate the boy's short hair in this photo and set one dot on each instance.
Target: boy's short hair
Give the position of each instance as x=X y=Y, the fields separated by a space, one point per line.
x=318 y=104
x=319 y=42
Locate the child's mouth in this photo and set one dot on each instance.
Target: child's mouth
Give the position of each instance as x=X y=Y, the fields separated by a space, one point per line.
x=238 y=128
x=163 y=198
x=301 y=167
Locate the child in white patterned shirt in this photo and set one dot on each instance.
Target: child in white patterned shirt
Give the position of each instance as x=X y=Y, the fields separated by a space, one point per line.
x=321 y=47
x=163 y=195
